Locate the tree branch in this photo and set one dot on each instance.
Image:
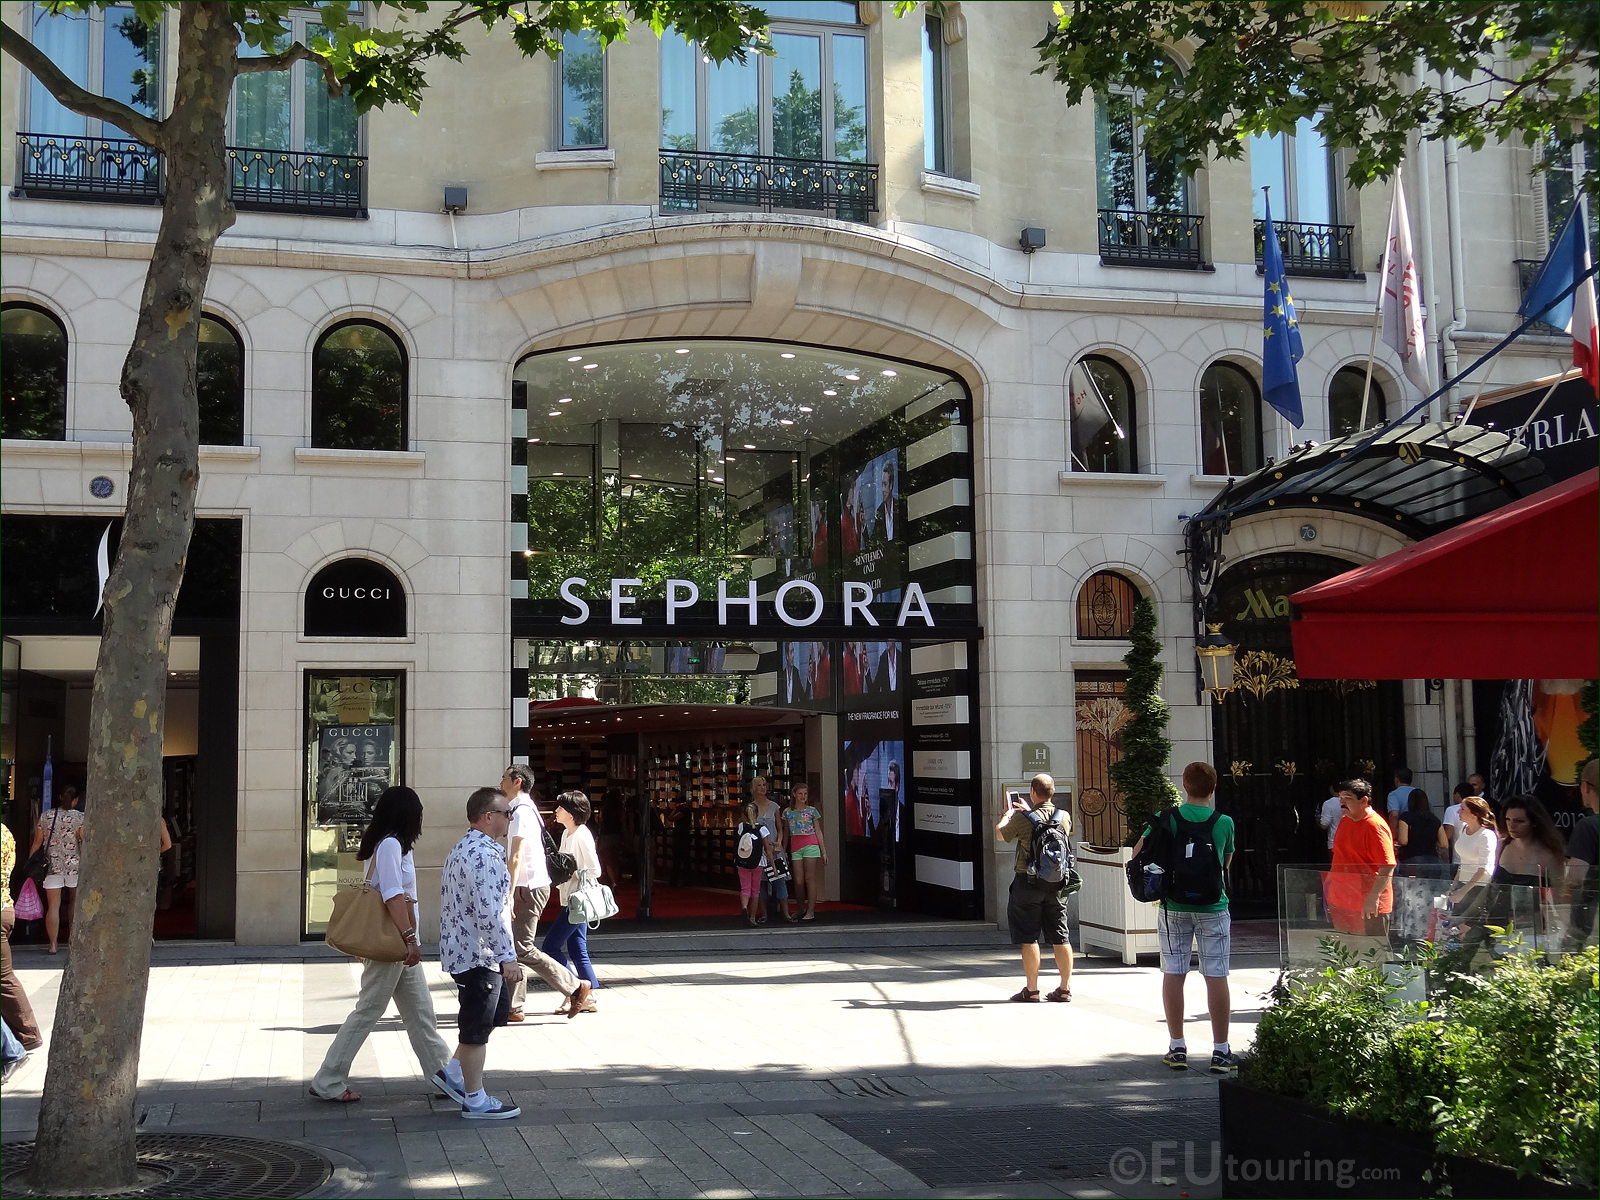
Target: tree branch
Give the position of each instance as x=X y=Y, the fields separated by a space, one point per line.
x=90 y=104
x=298 y=52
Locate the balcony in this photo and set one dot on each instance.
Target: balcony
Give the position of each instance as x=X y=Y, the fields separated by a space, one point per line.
x=1327 y=251
x=694 y=180
x=1150 y=239
x=70 y=167
x=123 y=171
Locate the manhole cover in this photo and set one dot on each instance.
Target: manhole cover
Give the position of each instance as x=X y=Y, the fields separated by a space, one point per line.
x=177 y=1164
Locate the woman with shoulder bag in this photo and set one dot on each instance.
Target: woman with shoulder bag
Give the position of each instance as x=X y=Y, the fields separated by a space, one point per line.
x=386 y=849
x=60 y=835
x=567 y=937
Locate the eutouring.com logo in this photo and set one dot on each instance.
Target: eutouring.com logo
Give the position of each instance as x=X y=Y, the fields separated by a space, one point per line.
x=1204 y=1163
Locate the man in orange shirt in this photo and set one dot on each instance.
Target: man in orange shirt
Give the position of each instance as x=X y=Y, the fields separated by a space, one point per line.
x=1360 y=895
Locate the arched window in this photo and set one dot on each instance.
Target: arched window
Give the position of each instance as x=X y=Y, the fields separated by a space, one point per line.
x=358 y=389
x=219 y=383
x=33 y=373
x=1105 y=607
x=1230 y=421
x=1100 y=397
x=1344 y=402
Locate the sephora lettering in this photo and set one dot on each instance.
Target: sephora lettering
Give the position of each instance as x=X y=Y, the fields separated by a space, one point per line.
x=796 y=610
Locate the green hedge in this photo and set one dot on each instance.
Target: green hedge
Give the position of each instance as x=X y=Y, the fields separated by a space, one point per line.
x=1503 y=1066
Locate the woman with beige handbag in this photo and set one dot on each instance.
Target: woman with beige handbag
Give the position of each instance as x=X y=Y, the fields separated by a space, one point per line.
x=392 y=877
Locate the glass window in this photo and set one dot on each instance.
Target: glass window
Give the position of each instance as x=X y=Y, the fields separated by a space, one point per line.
x=358 y=389
x=583 y=91
x=111 y=52
x=1561 y=183
x=1102 y=416
x=807 y=100
x=291 y=110
x=33 y=373
x=745 y=461
x=1230 y=421
x=1344 y=402
x=219 y=384
x=1302 y=173
x=1126 y=177
x=935 y=97
x=1105 y=607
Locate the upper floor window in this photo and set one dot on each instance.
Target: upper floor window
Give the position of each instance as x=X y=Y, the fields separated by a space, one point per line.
x=110 y=52
x=1561 y=184
x=1127 y=177
x=583 y=91
x=1100 y=396
x=33 y=373
x=1300 y=170
x=358 y=389
x=1105 y=607
x=1344 y=402
x=291 y=110
x=935 y=97
x=1230 y=421
x=807 y=100
x=219 y=384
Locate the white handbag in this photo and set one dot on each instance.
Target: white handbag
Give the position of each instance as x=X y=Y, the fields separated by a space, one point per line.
x=591 y=901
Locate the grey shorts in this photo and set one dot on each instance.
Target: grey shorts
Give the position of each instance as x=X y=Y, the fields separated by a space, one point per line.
x=1179 y=932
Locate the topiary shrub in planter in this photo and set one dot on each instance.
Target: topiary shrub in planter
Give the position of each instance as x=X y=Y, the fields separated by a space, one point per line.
x=1141 y=775
x=1496 y=1069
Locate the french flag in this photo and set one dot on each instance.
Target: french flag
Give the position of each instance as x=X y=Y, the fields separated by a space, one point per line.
x=1569 y=261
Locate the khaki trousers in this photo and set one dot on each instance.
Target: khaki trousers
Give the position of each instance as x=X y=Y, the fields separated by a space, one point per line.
x=526 y=905
x=382 y=982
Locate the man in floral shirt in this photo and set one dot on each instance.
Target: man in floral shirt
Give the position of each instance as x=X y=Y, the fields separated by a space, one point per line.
x=476 y=947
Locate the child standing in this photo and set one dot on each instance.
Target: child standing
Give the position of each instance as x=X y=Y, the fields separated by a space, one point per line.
x=752 y=846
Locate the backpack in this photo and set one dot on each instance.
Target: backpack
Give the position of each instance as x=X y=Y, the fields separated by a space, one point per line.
x=1178 y=862
x=748 y=852
x=561 y=865
x=1051 y=858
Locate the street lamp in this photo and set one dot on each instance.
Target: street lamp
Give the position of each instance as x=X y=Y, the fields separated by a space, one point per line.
x=1216 y=654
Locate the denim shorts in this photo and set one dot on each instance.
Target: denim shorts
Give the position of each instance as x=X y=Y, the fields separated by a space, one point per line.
x=1179 y=932
x=485 y=1004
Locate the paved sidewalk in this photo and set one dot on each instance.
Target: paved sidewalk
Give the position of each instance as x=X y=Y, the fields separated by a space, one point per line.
x=773 y=1062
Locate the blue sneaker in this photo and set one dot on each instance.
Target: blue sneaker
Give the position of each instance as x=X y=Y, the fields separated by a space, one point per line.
x=490 y=1110
x=442 y=1082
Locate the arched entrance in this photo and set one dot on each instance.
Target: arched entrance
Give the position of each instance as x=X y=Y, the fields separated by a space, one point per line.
x=1280 y=740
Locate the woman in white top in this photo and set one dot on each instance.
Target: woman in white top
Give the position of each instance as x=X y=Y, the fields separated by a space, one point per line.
x=386 y=848
x=1475 y=848
x=565 y=938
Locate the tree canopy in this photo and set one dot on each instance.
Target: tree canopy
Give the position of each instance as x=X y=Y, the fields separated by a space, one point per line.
x=1512 y=72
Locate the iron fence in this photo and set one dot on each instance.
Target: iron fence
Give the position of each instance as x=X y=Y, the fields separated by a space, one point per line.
x=691 y=179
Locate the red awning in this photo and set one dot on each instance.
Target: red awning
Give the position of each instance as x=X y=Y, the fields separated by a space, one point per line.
x=1513 y=594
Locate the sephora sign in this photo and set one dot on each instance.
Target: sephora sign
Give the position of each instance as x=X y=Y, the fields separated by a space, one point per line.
x=798 y=603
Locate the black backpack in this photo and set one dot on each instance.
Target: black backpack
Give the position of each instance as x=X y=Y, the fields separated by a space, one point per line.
x=748 y=852
x=1178 y=862
x=1051 y=857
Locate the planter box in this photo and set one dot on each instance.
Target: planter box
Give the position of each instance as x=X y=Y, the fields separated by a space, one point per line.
x=1275 y=1146
x=1108 y=915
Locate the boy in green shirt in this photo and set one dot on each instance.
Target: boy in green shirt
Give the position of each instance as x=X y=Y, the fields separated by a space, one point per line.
x=1181 y=926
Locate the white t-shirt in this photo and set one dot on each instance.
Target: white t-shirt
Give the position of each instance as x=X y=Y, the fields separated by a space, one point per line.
x=1474 y=850
x=532 y=871
x=579 y=842
x=1452 y=818
x=395 y=874
x=767 y=814
x=1332 y=814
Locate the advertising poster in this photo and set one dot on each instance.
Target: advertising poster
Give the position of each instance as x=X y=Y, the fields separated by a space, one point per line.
x=819 y=534
x=871 y=668
x=870 y=538
x=873 y=788
x=805 y=677
x=355 y=764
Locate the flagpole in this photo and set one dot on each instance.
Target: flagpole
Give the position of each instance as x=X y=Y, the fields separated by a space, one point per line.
x=1537 y=408
x=1372 y=354
x=1101 y=396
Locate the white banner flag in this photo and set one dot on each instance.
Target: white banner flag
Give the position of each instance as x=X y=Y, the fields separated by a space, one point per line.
x=1400 y=301
x=1090 y=413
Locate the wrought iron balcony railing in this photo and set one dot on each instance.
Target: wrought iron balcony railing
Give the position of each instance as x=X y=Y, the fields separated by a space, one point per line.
x=1325 y=250
x=691 y=179
x=1150 y=239
x=120 y=170
x=73 y=167
x=293 y=181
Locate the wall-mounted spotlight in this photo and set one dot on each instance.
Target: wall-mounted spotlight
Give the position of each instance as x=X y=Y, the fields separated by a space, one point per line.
x=1032 y=239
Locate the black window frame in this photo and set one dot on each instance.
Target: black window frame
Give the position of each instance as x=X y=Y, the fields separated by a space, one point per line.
x=7 y=359
x=1233 y=470
x=234 y=402
x=320 y=442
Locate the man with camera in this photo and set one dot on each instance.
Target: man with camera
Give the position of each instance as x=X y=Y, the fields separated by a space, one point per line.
x=1036 y=908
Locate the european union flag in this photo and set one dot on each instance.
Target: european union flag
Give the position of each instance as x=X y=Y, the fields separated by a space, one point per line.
x=1280 y=331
